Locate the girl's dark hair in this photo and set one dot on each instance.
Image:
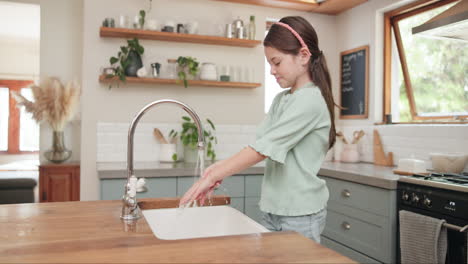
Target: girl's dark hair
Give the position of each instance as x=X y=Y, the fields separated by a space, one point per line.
x=282 y=39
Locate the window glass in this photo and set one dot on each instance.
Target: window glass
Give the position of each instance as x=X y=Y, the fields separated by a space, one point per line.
x=437 y=68
x=4 y=113
x=272 y=88
x=29 y=129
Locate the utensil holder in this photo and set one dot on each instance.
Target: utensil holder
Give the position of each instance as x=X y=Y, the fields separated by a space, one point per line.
x=350 y=153
x=166 y=151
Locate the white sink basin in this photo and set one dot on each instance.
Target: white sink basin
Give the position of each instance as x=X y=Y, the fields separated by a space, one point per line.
x=196 y=222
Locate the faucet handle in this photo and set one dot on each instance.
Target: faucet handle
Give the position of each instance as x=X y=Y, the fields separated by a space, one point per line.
x=132 y=186
x=140 y=185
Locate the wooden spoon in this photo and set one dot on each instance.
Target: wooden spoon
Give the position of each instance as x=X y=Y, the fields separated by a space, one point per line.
x=159 y=136
x=357 y=135
x=340 y=135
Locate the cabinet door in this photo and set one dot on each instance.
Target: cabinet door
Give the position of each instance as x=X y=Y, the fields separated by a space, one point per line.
x=59 y=184
x=352 y=254
x=113 y=189
x=252 y=209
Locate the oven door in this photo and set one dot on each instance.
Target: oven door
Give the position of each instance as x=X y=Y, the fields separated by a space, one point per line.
x=456 y=240
x=457 y=247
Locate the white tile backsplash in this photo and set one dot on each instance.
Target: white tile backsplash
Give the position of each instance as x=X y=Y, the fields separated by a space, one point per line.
x=406 y=141
x=112 y=140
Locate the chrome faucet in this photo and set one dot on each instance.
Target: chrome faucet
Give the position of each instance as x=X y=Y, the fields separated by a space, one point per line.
x=130 y=210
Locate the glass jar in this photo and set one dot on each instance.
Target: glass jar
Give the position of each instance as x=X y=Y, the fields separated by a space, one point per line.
x=171 y=69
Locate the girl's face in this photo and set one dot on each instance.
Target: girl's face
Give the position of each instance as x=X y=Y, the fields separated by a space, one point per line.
x=286 y=68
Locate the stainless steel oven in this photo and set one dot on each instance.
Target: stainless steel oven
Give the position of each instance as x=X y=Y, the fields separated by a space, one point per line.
x=433 y=196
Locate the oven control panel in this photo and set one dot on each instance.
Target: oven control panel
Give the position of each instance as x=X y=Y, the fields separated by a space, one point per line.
x=434 y=200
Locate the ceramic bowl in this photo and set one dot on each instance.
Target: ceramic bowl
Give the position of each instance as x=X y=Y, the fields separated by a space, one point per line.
x=448 y=163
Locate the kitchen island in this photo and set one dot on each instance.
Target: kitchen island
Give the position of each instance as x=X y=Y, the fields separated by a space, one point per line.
x=92 y=232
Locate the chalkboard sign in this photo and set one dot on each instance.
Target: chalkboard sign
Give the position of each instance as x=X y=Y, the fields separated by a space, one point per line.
x=354 y=83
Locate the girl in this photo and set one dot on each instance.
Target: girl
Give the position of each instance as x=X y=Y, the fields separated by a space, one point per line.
x=294 y=137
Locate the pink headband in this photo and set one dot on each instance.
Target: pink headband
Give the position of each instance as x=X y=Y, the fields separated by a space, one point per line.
x=295 y=34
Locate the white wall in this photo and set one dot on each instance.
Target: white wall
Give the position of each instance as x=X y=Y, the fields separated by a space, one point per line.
x=363 y=25
x=19 y=39
x=60 y=55
x=20 y=58
x=223 y=106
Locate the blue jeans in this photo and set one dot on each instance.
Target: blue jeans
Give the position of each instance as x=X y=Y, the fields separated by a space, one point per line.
x=310 y=226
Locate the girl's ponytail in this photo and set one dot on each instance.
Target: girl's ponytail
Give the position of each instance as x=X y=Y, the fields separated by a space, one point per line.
x=318 y=72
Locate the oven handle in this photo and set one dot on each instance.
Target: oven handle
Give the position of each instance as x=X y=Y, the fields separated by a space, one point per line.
x=456 y=228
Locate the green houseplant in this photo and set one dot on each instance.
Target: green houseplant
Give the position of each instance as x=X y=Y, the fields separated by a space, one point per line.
x=142 y=13
x=187 y=66
x=172 y=140
x=128 y=60
x=189 y=138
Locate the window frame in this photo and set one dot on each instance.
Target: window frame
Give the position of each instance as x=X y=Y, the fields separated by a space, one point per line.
x=391 y=20
x=14 y=117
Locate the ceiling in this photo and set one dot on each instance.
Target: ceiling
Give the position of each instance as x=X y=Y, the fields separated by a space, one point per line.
x=329 y=7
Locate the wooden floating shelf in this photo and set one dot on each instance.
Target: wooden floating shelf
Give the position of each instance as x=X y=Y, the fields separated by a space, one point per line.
x=176 y=37
x=103 y=79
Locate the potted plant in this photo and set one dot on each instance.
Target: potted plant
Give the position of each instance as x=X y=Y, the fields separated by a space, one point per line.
x=142 y=13
x=172 y=140
x=128 y=60
x=189 y=138
x=187 y=66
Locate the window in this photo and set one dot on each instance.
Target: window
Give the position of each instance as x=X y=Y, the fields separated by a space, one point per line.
x=4 y=112
x=428 y=81
x=29 y=129
x=19 y=133
x=272 y=88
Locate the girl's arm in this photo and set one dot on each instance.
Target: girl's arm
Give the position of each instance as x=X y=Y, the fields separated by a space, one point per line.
x=220 y=170
x=240 y=161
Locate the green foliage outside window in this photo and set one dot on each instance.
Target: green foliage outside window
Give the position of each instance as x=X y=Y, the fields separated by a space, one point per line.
x=438 y=70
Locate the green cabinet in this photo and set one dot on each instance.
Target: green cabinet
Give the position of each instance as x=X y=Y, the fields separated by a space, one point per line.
x=113 y=189
x=244 y=190
x=361 y=222
x=253 y=186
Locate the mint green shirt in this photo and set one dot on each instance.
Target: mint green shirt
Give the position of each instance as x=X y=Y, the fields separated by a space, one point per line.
x=294 y=136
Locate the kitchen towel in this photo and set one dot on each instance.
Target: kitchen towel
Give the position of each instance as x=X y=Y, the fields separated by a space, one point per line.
x=423 y=239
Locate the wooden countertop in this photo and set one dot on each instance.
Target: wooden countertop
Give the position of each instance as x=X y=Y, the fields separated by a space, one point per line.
x=92 y=232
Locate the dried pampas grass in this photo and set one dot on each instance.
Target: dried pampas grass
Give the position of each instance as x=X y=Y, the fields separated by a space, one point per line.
x=53 y=102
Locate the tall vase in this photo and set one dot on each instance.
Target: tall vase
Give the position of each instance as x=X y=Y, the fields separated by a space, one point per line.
x=58 y=153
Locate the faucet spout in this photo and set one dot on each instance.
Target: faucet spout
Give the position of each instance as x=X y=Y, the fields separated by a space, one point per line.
x=130 y=210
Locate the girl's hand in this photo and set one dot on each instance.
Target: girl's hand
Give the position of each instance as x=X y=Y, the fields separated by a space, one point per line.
x=202 y=188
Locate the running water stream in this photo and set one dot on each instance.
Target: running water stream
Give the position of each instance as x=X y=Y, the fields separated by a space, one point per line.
x=198 y=173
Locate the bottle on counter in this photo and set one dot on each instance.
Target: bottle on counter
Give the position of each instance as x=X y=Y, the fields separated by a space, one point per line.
x=252 y=28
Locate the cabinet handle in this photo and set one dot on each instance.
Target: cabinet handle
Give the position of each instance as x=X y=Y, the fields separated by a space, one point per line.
x=346 y=193
x=346 y=226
